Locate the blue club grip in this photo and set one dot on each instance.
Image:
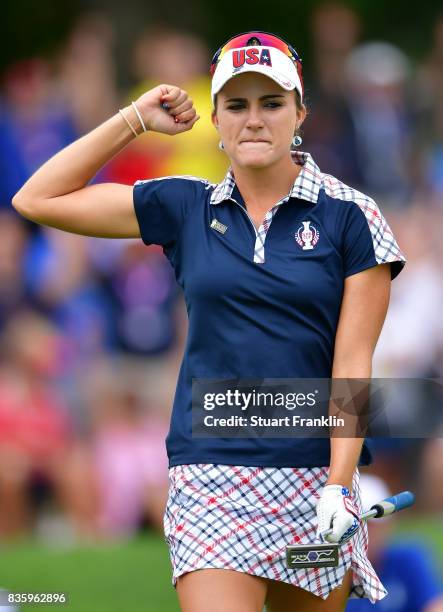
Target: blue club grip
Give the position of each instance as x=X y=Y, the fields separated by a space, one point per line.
x=394 y=503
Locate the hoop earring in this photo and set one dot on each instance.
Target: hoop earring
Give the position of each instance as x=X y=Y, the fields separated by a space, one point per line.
x=296 y=141
x=220 y=146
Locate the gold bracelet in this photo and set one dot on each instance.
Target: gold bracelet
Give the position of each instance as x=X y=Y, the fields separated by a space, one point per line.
x=128 y=122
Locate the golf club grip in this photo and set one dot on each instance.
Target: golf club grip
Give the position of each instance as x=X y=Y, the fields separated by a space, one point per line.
x=393 y=504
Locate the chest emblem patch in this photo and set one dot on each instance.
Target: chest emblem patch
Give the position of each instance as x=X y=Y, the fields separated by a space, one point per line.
x=307 y=236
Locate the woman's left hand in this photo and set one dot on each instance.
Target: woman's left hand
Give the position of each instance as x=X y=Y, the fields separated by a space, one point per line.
x=336 y=509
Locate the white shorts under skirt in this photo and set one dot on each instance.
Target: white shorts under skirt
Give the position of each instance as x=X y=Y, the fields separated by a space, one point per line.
x=242 y=518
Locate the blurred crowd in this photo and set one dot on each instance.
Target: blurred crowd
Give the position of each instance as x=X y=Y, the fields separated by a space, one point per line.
x=92 y=329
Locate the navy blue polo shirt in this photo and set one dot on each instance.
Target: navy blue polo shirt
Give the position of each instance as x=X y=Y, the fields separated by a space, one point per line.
x=261 y=303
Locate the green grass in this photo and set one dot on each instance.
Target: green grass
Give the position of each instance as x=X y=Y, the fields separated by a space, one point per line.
x=132 y=576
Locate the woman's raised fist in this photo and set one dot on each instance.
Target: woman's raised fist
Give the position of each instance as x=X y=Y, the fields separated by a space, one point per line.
x=167 y=109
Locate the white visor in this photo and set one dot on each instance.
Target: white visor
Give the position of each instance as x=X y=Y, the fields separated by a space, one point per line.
x=269 y=61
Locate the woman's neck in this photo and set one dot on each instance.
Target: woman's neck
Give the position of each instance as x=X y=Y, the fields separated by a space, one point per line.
x=262 y=186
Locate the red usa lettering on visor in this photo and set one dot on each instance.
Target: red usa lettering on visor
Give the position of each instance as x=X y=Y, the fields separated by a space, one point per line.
x=251 y=56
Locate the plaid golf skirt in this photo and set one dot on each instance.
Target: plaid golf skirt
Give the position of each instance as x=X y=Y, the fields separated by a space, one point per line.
x=242 y=518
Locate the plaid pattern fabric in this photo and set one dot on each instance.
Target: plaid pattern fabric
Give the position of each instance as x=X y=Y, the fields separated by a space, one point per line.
x=307 y=186
x=259 y=247
x=242 y=518
x=386 y=248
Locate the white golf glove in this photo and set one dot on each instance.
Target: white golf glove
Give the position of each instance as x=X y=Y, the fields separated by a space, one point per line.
x=336 y=509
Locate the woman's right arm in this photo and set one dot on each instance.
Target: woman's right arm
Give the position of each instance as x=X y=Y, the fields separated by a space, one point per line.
x=58 y=194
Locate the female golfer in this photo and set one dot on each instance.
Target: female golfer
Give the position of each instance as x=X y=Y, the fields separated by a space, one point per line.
x=286 y=274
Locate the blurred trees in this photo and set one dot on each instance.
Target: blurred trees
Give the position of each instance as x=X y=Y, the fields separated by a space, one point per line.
x=30 y=28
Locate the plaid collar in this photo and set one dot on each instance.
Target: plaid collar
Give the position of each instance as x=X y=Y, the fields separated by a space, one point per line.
x=306 y=186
